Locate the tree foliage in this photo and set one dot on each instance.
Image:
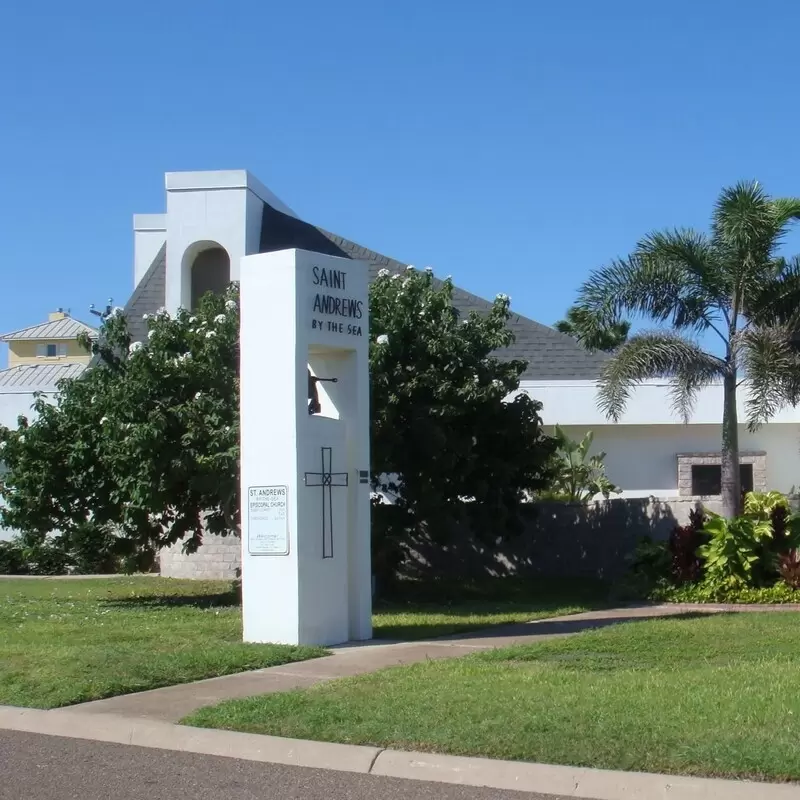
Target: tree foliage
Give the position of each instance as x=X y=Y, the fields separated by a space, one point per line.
x=146 y=441
x=441 y=430
x=724 y=305
x=592 y=331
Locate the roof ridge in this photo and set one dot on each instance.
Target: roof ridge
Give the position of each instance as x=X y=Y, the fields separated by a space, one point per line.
x=10 y=334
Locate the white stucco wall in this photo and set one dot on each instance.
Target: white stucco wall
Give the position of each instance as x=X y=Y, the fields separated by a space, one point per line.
x=218 y=208
x=642 y=460
x=575 y=403
x=149 y=234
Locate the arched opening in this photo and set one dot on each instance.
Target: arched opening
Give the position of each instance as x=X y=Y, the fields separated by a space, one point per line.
x=210 y=272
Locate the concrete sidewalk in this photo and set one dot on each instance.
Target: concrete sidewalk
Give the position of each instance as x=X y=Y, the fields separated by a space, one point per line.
x=172 y=703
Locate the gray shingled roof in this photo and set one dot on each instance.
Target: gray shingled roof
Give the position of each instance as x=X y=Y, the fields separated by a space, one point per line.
x=36 y=377
x=148 y=296
x=551 y=355
x=66 y=328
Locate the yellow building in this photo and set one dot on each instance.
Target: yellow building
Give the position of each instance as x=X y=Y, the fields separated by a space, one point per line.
x=51 y=342
x=39 y=357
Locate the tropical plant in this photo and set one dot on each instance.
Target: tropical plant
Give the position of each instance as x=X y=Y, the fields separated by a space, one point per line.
x=764 y=504
x=734 y=549
x=591 y=332
x=578 y=476
x=729 y=286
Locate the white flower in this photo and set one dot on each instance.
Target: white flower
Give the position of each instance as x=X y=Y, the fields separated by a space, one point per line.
x=145 y=316
x=210 y=334
x=230 y=305
x=220 y=318
x=162 y=312
x=21 y=437
x=428 y=269
x=382 y=339
x=135 y=347
x=476 y=379
x=502 y=297
x=498 y=384
x=185 y=356
x=104 y=420
x=383 y=273
x=150 y=334
x=198 y=396
x=410 y=268
x=2 y=445
x=115 y=312
x=192 y=319
x=396 y=277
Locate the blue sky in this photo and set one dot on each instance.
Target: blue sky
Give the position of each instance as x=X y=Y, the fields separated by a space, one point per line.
x=515 y=145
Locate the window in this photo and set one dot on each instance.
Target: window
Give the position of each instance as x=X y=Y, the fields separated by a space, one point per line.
x=51 y=350
x=707 y=479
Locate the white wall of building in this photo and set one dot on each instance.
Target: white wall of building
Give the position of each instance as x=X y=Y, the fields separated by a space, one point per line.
x=575 y=403
x=206 y=209
x=149 y=234
x=642 y=460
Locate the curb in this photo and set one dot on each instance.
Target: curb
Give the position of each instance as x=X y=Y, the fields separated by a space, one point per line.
x=577 y=782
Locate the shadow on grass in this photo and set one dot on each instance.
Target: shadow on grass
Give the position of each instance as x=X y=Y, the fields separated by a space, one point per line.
x=201 y=601
x=569 y=626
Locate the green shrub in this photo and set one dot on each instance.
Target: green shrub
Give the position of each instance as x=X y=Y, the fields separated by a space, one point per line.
x=12 y=559
x=706 y=593
x=735 y=548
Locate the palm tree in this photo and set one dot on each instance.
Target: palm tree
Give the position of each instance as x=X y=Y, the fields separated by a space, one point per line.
x=584 y=327
x=729 y=287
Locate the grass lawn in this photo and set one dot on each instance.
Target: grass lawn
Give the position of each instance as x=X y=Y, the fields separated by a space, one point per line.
x=427 y=610
x=714 y=695
x=68 y=641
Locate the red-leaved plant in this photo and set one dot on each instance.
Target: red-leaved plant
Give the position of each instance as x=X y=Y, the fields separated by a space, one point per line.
x=684 y=540
x=789 y=568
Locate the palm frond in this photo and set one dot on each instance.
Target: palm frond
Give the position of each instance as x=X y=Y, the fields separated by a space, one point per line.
x=777 y=298
x=743 y=215
x=657 y=355
x=688 y=248
x=771 y=362
x=671 y=277
x=786 y=209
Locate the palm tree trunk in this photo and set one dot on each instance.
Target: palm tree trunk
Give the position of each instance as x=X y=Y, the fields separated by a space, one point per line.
x=731 y=479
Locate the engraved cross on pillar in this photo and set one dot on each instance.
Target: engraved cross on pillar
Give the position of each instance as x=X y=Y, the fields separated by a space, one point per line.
x=327 y=480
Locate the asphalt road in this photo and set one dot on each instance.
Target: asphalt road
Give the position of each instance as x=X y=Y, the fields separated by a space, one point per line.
x=34 y=767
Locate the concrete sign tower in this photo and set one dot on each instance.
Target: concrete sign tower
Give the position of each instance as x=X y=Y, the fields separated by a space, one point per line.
x=306 y=572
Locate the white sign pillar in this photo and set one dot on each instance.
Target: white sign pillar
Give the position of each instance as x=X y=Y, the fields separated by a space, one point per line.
x=305 y=494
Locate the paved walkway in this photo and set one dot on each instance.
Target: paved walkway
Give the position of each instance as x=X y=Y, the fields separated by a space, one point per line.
x=172 y=703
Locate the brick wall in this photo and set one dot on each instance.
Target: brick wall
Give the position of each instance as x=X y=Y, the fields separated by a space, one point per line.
x=218 y=558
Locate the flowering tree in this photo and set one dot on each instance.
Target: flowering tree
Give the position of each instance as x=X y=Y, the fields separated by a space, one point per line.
x=146 y=441
x=445 y=444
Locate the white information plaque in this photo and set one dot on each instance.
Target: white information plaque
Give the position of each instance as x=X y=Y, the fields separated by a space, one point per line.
x=267 y=521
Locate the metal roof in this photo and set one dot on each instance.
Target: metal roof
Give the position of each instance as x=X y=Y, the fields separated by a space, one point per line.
x=36 y=377
x=66 y=328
